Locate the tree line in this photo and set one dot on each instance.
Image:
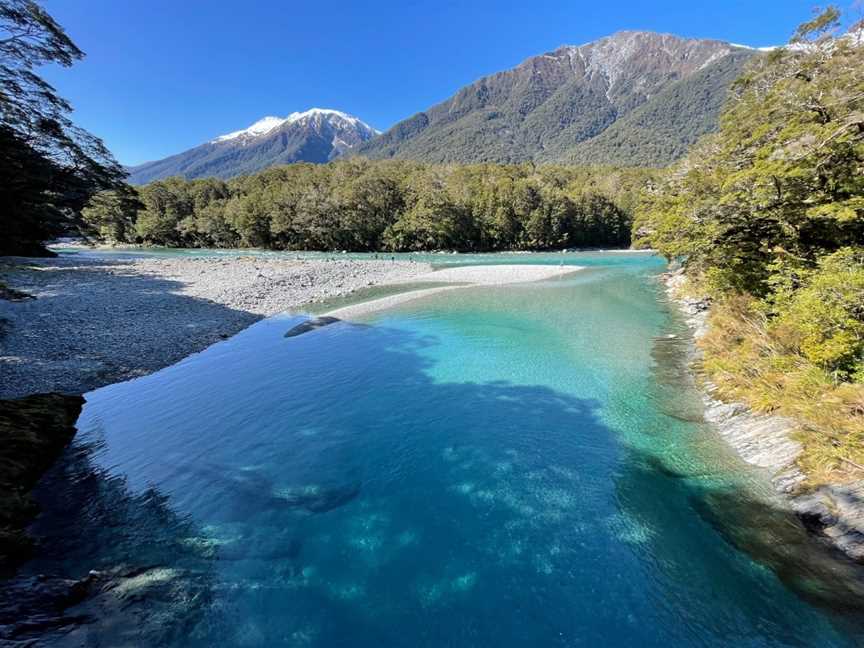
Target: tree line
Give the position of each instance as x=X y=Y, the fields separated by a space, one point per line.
x=361 y=205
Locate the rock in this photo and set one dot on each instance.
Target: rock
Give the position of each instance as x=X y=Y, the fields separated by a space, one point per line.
x=317 y=499
x=33 y=432
x=10 y=294
x=143 y=606
x=31 y=607
x=311 y=325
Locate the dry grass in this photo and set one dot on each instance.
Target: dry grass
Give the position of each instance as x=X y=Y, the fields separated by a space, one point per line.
x=751 y=362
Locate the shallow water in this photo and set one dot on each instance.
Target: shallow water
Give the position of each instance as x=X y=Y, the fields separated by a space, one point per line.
x=503 y=466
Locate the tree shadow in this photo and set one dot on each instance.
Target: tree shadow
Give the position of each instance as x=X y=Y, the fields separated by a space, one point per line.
x=476 y=506
x=738 y=504
x=78 y=335
x=106 y=557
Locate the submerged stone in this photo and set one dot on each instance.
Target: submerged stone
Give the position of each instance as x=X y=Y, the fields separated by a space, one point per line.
x=319 y=500
x=311 y=325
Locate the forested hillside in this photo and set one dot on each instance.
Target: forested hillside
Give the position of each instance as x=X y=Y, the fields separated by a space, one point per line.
x=768 y=217
x=655 y=94
x=662 y=130
x=369 y=206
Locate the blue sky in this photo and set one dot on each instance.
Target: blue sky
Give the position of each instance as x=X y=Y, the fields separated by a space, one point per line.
x=164 y=75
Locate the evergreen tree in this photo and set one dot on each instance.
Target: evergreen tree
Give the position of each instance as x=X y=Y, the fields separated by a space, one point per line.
x=49 y=167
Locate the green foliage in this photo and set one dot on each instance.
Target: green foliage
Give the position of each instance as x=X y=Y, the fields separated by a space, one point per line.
x=110 y=214
x=49 y=167
x=782 y=177
x=368 y=206
x=824 y=317
x=768 y=218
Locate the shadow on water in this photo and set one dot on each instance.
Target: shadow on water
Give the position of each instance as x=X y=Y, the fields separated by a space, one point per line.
x=736 y=503
x=75 y=352
x=466 y=464
x=120 y=562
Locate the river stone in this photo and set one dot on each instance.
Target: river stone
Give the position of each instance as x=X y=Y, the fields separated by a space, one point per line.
x=311 y=325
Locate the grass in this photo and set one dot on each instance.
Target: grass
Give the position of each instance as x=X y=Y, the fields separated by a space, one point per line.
x=751 y=363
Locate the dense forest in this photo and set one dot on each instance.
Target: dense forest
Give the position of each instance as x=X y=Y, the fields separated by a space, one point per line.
x=360 y=205
x=768 y=218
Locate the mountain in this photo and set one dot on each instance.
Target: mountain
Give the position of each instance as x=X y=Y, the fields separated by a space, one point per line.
x=654 y=94
x=662 y=129
x=317 y=135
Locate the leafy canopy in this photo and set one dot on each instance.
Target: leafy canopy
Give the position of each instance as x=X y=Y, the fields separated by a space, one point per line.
x=49 y=167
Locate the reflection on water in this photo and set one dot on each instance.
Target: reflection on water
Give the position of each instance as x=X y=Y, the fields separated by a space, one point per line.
x=496 y=466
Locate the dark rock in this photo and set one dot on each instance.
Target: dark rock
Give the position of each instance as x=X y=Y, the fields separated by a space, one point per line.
x=10 y=294
x=33 y=432
x=31 y=607
x=311 y=325
x=320 y=500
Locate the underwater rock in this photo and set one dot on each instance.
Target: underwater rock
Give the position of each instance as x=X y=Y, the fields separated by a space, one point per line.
x=318 y=500
x=141 y=606
x=33 y=432
x=10 y=294
x=32 y=606
x=311 y=325
x=248 y=492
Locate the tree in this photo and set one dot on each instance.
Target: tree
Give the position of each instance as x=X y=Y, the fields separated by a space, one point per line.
x=49 y=167
x=785 y=174
x=110 y=215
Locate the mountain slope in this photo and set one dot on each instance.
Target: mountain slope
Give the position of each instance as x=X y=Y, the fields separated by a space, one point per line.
x=662 y=129
x=547 y=106
x=317 y=135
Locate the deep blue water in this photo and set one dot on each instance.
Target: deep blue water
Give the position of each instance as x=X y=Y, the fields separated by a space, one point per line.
x=508 y=466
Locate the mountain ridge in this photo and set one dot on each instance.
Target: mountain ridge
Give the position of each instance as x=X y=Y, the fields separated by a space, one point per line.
x=634 y=98
x=543 y=108
x=315 y=135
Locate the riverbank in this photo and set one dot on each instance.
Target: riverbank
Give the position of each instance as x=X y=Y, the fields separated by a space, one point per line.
x=832 y=511
x=455 y=278
x=94 y=322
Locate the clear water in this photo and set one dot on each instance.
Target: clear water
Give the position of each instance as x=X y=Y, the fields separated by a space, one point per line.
x=509 y=466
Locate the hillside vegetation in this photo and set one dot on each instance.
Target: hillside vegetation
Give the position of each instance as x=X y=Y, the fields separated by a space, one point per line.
x=768 y=217
x=371 y=206
x=631 y=99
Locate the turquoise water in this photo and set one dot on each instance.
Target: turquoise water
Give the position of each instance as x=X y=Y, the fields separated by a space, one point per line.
x=507 y=466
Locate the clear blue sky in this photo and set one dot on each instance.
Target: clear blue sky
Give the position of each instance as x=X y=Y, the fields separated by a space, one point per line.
x=162 y=76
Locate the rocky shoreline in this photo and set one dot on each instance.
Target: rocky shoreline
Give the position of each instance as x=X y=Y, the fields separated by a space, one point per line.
x=834 y=512
x=94 y=322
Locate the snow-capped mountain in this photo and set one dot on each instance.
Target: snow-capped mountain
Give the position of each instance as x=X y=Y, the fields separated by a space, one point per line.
x=316 y=135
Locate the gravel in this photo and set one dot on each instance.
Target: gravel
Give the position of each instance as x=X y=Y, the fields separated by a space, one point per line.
x=95 y=321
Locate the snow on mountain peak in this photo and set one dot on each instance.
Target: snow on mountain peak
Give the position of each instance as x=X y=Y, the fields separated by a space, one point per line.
x=260 y=127
x=267 y=124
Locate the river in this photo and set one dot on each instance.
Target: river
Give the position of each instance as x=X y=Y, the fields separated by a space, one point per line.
x=487 y=466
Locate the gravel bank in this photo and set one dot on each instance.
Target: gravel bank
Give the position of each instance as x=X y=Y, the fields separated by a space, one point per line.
x=492 y=275
x=97 y=321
